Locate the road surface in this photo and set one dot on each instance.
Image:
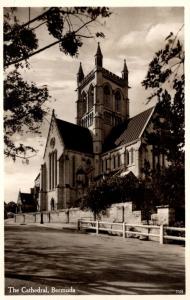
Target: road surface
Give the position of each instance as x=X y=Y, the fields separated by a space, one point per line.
x=42 y=260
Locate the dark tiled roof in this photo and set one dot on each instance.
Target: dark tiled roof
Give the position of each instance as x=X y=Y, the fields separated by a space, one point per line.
x=26 y=197
x=128 y=131
x=75 y=137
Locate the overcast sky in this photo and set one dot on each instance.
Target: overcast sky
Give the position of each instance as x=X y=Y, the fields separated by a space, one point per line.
x=133 y=34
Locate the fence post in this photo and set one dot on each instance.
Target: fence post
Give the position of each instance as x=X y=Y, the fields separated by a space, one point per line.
x=161 y=234
x=97 y=227
x=41 y=221
x=78 y=224
x=124 y=230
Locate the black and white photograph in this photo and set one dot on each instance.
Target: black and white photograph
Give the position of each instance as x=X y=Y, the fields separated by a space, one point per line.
x=94 y=148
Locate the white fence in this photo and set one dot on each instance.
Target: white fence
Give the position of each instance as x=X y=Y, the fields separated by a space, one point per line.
x=128 y=230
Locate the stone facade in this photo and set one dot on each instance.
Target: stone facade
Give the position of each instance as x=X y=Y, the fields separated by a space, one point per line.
x=103 y=140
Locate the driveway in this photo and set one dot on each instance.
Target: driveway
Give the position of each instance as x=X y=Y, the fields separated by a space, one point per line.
x=41 y=260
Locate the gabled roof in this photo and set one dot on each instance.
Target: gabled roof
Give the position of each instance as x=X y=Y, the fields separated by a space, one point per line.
x=26 y=198
x=129 y=131
x=75 y=137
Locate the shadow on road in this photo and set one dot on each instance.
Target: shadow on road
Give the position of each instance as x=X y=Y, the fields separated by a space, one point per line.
x=93 y=265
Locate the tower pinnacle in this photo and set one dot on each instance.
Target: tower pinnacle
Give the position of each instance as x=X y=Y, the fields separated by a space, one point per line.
x=125 y=70
x=98 y=56
x=80 y=74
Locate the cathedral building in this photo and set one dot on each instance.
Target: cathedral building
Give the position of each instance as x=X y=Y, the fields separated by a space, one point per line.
x=104 y=140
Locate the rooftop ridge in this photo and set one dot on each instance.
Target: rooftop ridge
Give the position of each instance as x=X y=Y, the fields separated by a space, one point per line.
x=72 y=124
x=142 y=112
x=112 y=74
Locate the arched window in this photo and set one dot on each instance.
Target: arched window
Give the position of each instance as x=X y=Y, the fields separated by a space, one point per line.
x=53 y=170
x=118 y=160
x=132 y=155
x=114 y=162
x=84 y=103
x=118 y=101
x=90 y=97
x=73 y=170
x=126 y=157
x=52 y=203
x=107 y=95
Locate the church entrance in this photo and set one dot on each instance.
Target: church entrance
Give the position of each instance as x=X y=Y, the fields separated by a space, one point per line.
x=52 y=204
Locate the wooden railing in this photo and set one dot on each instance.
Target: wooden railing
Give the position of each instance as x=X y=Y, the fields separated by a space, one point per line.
x=127 y=230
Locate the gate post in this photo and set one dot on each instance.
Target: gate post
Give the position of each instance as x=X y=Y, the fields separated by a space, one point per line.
x=124 y=230
x=78 y=224
x=41 y=221
x=97 y=227
x=161 y=234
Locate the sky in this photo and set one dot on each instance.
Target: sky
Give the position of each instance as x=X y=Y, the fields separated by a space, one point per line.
x=132 y=33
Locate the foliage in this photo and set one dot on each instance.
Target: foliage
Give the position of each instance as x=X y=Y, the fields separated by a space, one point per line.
x=23 y=106
x=115 y=189
x=168 y=186
x=165 y=78
x=10 y=207
x=21 y=42
x=24 y=110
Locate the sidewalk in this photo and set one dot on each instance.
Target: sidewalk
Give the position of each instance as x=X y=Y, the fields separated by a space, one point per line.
x=71 y=226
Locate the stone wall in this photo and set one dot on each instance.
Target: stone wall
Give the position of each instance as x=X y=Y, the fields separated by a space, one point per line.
x=117 y=213
x=164 y=216
x=122 y=212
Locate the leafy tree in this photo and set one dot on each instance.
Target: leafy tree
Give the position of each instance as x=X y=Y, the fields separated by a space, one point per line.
x=23 y=101
x=114 y=189
x=165 y=79
x=24 y=112
x=10 y=207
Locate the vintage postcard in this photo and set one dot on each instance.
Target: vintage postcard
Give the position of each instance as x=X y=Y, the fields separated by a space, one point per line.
x=94 y=148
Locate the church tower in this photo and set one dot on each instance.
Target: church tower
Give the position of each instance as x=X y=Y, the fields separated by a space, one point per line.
x=102 y=100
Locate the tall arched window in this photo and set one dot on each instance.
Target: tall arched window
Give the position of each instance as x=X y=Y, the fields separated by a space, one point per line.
x=118 y=160
x=114 y=162
x=52 y=204
x=84 y=103
x=53 y=170
x=132 y=155
x=126 y=157
x=118 y=101
x=73 y=171
x=90 y=97
x=107 y=96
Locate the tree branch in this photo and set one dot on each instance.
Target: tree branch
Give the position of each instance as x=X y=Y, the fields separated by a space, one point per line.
x=34 y=28
x=36 y=18
x=32 y=54
x=92 y=20
x=46 y=47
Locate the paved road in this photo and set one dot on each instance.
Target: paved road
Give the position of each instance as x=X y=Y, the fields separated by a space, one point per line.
x=59 y=262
